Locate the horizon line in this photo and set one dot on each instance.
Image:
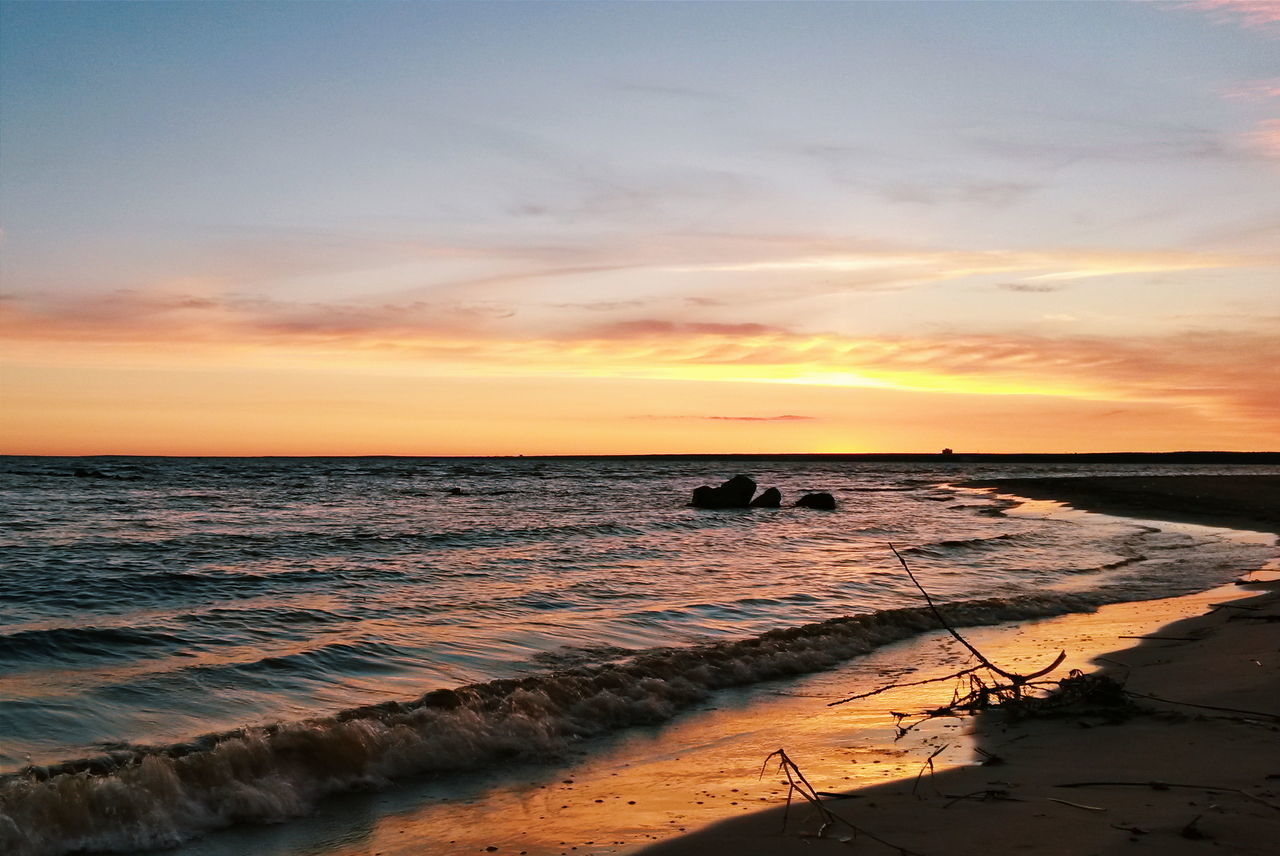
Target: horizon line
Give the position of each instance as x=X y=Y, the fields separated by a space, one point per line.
x=948 y=455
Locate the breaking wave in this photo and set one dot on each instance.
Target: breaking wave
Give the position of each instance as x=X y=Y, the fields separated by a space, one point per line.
x=154 y=796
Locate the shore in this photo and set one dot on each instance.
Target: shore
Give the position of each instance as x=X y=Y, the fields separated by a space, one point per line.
x=1236 y=501
x=1194 y=769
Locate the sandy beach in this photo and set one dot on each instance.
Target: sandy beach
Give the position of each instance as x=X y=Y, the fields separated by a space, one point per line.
x=1193 y=768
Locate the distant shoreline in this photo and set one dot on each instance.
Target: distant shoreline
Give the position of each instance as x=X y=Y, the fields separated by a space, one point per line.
x=1235 y=501
x=1190 y=457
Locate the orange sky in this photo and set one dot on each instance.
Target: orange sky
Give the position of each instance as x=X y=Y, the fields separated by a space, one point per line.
x=639 y=228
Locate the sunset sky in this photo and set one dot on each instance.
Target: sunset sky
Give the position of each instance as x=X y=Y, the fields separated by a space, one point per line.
x=545 y=228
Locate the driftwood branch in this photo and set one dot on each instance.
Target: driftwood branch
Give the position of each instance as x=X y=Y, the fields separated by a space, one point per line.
x=885 y=689
x=943 y=621
x=797 y=784
x=1257 y=714
x=928 y=765
x=1164 y=786
x=989 y=685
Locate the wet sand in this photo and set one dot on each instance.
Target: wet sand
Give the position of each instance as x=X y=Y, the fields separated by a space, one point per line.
x=1213 y=756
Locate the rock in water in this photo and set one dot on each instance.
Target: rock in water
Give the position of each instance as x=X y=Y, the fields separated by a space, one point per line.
x=735 y=493
x=771 y=498
x=820 y=501
x=739 y=491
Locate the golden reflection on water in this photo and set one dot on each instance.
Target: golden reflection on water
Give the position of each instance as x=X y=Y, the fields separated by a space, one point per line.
x=706 y=766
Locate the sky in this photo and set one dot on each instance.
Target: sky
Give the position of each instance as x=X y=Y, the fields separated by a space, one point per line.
x=595 y=227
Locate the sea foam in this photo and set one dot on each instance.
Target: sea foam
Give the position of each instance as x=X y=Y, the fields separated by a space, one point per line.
x=155 y=796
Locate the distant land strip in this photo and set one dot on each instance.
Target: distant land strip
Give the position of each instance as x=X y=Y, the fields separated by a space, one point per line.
x=1235 y=501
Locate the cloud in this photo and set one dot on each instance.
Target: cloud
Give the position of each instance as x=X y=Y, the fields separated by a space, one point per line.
x=1230 y=372
x=1254 y=90
x=1141 y=148
x=128 y=315
x=1266 y=138
x=977 y=192
x=676 y=92
x=1262 y=14
x=601 y=305
x=661 y=327
x=1030 y=287
x=784 y=418
x=906 y=266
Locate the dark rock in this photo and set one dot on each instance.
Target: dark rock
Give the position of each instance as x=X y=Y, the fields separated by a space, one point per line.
x=771 y=498
x=456 y=491
x=820 y=501
x=735 y=493
x=705 y=497
x=739 y=491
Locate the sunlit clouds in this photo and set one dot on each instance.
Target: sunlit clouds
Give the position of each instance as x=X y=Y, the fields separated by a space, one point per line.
x=1248 y=13
x=610 y=228
x=1267 y=137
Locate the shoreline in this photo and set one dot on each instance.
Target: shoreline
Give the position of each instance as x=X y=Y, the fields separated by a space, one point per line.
x=1228 y=760
x=1234 y=501
x=1223 y=767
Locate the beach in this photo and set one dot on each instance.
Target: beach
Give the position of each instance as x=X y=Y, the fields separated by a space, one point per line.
x=1194 y=768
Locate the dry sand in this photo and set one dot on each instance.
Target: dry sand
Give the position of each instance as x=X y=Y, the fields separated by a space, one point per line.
x=1218 y=770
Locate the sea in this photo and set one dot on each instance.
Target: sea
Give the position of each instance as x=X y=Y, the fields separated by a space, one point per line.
x=191 y=644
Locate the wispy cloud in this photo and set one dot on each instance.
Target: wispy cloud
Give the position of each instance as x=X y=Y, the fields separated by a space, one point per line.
x=1266 y=138
x=1248 y=13
x=676 y=92
x=1254 y=90
x=982 y=193
x=1232 y=375
x=906 y=265
x=784 y=418
x=1030 y=287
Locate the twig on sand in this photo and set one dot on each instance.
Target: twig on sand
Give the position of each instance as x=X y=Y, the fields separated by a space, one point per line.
x=986 y=795
x=1164 y=786
x=885 y=689
x=928 y=765
x=1256 y=714
x=1076 y=805
x=798 y=784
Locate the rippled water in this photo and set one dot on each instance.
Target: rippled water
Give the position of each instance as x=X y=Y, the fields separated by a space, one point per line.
x=149 y=608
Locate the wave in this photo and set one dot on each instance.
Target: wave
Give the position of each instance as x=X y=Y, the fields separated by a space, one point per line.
x=308 y=542
x=75 y=643
x=942 y=548
x=81 y=587
x=155 y=796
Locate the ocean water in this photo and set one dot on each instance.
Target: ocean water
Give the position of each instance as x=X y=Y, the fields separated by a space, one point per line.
x=187 y=644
